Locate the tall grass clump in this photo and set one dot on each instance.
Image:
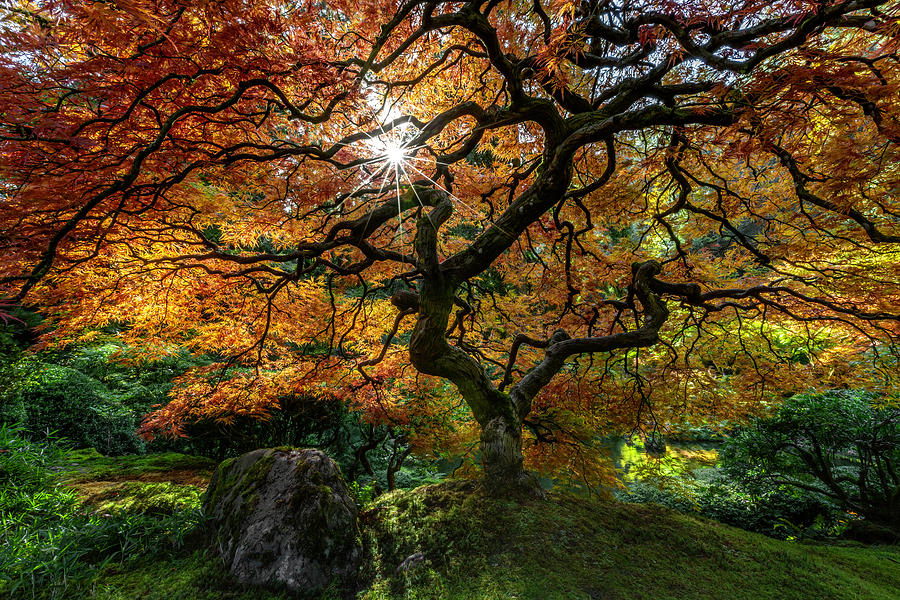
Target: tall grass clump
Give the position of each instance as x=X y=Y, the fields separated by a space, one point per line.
x=53 y=546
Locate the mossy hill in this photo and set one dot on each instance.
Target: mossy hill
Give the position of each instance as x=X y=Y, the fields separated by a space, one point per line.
x=152 y=483
x=563 y=547
x=575 y=548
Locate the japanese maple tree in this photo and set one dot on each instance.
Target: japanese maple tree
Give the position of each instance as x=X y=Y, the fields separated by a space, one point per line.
x=484 y=219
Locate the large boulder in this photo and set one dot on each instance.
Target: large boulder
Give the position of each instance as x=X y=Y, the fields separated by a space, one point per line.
x=284 y=518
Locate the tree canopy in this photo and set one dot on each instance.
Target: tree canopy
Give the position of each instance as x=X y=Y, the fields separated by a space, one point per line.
x=480 y=219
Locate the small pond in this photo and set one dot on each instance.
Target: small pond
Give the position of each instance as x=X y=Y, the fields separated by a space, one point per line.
x=680 y=459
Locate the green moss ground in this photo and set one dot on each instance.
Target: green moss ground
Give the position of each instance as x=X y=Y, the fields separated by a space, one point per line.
x=570 y=548
x=481 y=548
x=159 y=498
x=194 y=577
x=563 y=547
x=150 y=483
x=90 y=465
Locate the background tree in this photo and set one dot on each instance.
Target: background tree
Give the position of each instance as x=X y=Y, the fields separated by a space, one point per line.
x=839 y=444
x=586 y=216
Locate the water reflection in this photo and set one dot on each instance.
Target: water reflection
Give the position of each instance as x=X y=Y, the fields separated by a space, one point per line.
x=680 y=459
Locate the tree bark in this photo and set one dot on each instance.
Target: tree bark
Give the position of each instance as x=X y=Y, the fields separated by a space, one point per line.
x=430 y=353
x=501 y=457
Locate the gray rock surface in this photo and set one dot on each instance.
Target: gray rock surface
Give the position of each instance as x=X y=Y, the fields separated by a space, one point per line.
x=284 y=517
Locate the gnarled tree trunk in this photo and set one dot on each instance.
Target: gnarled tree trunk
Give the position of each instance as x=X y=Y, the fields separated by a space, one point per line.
x=501 y=457
x=501 y=415
x=496 y=413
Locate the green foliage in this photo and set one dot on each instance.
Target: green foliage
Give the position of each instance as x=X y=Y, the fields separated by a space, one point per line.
x=93 y=395
x=78 y=407
x=63 y=557
x=54 y=547
x=841 y=445
x=29 y=492
x=776 y=511
x=671 y=467
x=138 y=383
x=415 y=471
x=472 y=546
x=362 y=494
x=16 y=330
x=14 y=370
x=317 y=423
x=699 y=433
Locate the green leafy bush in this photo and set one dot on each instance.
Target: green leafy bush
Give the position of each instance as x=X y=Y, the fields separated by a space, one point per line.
x=777 y=511
x=842 y=445
x=138 y=382
x=95 y=395
x=79 y=408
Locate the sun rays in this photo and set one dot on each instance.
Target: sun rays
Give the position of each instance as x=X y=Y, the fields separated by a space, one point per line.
x=395 y=158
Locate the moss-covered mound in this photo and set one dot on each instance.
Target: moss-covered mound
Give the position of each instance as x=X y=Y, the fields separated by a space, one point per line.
x=90 y=465
x=449 y=542
x=152 y=498
x=569 y=548
x=145 y=483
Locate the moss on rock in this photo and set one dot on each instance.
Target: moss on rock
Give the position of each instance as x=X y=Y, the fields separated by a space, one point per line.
x=284 y=517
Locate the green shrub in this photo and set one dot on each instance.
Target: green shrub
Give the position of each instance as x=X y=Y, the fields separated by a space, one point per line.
x=94 y=395
x=79 y=408
x=777 y=511
x=138 y=383
x=362 y=494
x=842 y=445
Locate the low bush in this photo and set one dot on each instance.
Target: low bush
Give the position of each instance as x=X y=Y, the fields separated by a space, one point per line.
x=777 y=511
x=94 y=395
x=842 y=446
x=64 y=401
